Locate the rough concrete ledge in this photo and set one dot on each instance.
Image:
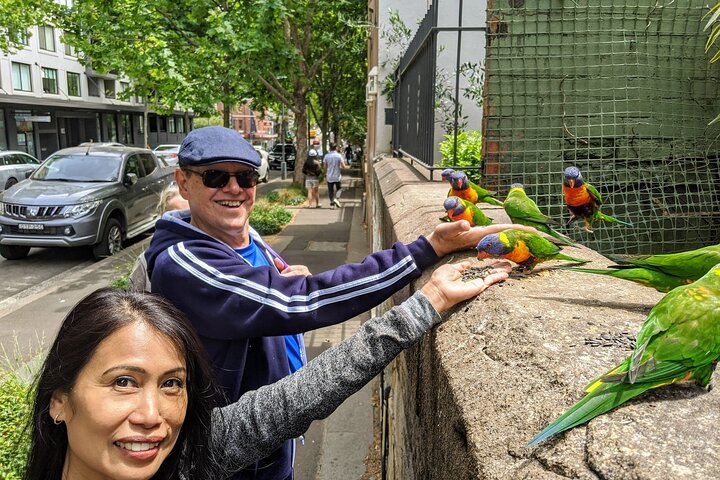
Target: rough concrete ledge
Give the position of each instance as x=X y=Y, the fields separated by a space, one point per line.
x=467 y=399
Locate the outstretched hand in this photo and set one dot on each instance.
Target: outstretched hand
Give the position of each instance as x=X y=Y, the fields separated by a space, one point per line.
x=291 y=270
x=453 y=236
x=447 y=288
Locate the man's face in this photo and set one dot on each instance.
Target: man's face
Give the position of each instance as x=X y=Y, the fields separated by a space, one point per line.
x=223 y=213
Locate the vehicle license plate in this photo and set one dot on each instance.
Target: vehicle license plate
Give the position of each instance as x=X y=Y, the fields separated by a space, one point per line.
x=31 y=226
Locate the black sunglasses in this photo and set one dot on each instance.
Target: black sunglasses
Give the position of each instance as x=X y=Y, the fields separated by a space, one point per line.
x=220 y=178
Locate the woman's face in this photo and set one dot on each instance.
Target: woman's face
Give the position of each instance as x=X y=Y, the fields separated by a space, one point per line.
x=124 y=413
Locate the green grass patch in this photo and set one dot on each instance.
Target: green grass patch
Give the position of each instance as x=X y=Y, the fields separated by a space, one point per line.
x=268 y=217
x=291 y=196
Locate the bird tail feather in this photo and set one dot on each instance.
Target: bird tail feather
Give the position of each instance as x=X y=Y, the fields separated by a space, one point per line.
x=563 y=238
x=608 y=218
x=590 y=406
x=494 y=201
x=562 y=256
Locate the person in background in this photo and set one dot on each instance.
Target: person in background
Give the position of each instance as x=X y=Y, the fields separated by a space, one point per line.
x=348 y=154
x=170 y=199
x=249 y=307
x=312 y=171
x=332 y=162
x=126 y=391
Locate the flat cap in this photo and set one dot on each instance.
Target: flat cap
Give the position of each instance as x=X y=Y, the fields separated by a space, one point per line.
x=208 y=145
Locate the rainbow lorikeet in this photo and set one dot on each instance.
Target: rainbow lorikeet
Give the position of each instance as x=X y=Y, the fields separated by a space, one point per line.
x=459 y=209
x=445 y=174
x=584 y=200
x=461 y=186
x=527 y=249
x=522 y=209
x=662 y=272
x=679 y=340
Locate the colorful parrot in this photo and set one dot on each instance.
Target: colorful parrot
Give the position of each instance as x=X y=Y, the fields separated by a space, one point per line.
x=584 y=200
x=461 y=186
x=524 y=248
x=661 y=272
x=445 y=174
x=459 y=209
x=521 y=209
x=679 y=340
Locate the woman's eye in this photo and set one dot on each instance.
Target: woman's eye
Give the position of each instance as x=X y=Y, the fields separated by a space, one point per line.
x=173 y=383
x=124 y=382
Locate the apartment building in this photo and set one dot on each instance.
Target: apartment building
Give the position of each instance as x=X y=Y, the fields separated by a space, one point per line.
x=49 y=101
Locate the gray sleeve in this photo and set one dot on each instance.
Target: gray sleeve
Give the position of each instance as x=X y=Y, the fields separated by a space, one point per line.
x=261 y=420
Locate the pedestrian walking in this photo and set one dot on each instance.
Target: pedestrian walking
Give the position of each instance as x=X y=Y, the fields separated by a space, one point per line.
x=312 y=171
x=349 y=155
x=332 y=163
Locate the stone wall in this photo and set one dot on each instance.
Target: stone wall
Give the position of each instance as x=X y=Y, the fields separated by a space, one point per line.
x=466 y=400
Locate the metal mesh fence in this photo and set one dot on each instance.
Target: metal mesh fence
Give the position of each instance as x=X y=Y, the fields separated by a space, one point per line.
x=620 y=88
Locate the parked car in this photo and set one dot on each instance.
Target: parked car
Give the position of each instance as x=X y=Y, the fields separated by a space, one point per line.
x=101 y=144
x=276 y=155
x=14 y=167
x=168 y=152
x=264 y=164
x=97 y=196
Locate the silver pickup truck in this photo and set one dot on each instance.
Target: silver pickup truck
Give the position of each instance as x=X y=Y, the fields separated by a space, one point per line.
x=91 y=195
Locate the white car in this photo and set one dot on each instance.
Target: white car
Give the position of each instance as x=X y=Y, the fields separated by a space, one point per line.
x=14 y=167
x=168 y=152
x=264 y=169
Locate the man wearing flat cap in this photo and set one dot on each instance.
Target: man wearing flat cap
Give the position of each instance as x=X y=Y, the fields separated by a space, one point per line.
x=248 y=306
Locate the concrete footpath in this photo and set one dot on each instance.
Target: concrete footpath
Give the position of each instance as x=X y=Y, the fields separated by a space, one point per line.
x=319 y=238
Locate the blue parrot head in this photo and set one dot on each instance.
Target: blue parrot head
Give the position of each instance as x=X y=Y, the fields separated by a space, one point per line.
x=445 y=174
x=454 y=206
x=459 y=181
x=491 y=246
x=572 y=177
x=517 y=185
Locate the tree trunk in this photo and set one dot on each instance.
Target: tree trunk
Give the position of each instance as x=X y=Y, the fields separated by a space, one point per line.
x=226 y=115
x=301 y=134
x=146 y=127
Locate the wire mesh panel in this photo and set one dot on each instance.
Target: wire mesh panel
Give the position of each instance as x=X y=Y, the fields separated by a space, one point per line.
x=623 y=90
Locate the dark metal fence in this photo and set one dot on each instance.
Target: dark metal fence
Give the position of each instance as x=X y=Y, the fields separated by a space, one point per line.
x=416 y=92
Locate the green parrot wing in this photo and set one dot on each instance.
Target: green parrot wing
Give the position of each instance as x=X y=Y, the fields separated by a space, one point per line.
x=478 y=216
x=538 y=246
x=594 y=194
x=518 y=205
x=683 y=329
x=481 y=191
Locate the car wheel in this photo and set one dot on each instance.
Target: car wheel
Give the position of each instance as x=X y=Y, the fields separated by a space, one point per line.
x=11 y=181
x=111 y=242
x=14 y=252
x=266 y=177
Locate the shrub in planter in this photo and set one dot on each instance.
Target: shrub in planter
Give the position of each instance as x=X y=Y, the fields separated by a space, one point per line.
x=268 y=218
x=469 y=153
x=15 y=411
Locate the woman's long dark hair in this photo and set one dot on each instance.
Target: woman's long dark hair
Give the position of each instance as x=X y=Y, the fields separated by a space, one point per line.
x=90 y=322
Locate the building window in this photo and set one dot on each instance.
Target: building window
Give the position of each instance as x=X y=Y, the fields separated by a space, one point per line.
x=171 y=125
x=49 y=80
x=127 y=131
x=162 y=124
x=152 y=123
x=73 y=84
x=93 y=87
x=70 y=51
x=109 y=88
x=125 y=86
x=46 y=36
x=20 y=37
x=21 y=78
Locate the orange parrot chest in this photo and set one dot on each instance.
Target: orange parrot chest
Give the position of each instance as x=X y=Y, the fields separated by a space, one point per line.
x=520 y=254
x=468 y=194
x=577 y=196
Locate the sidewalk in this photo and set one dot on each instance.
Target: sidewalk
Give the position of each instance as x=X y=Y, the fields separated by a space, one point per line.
x=319 y=238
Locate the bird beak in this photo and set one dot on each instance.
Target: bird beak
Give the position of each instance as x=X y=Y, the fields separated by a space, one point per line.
x=572 y=183
x=483 y=255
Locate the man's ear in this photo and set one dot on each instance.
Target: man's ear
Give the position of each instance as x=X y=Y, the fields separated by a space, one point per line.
x=60 y=407
x=181 y=180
